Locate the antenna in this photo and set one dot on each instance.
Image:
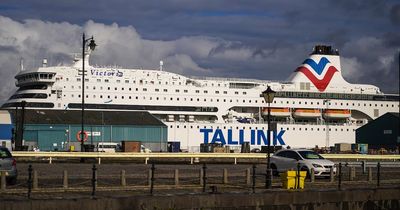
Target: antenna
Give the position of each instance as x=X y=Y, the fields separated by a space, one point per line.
x=21 y=64
x=161 y=65
x=44 y=63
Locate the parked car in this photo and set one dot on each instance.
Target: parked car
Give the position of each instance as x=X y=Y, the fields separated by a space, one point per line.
x=9 y=165
x=288 y=159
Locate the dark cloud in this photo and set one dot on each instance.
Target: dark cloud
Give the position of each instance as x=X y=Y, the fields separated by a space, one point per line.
x=395 y=14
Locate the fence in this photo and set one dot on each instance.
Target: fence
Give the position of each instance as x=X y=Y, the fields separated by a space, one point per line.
x=201 y=177
x=190 y=157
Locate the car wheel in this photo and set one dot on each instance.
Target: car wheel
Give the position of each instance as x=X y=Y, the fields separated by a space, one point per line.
x=274 y=170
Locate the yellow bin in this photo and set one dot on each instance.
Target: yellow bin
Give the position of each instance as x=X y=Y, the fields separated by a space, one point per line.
x=289 y=180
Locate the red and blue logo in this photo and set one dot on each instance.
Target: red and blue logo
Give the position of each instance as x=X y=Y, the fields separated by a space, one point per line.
x=318 y=68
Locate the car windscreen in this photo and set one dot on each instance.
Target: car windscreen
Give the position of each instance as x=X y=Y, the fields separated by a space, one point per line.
x=310 y=155
x=4 y=153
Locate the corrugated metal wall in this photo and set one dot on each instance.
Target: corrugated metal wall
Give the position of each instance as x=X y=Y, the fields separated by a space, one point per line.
x=56 y=136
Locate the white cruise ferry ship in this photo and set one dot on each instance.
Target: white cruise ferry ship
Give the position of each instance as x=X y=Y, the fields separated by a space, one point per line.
x=315 y=106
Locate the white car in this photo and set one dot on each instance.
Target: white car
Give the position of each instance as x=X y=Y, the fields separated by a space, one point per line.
x=287 y=159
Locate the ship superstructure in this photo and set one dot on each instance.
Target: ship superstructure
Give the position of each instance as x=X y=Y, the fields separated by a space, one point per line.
x=316 y=106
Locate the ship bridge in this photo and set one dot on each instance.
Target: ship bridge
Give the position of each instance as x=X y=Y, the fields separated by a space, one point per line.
x=30 y=78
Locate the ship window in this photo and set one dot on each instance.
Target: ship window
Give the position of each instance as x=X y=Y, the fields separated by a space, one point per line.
x=79 y=96
x=224 y=100
x=230 y=100
x=205 y=91
x=198 y=99
x=217 y=92
x=191 y=99
x=244 y=101
x=130 y=97
x=287 y=129
x=330 y=129
x=157 y=90
x=118 y=81
x=244 y=93
x=94 y=87
x=123 y=88
x=108 y=88
x=317 y=129
x=67 y=79
x=157 y=98
x=78 y=79
x=101 y=96
x=305 y=102
x=106 y=80
x=317 y=103
x=86 y=80
x=165 y=90
x=185 y=91
x=94 y=96
x=225 y=92
x=126 y=81
x=115 y=97
x=115 y=88
x=299 y=129
x=122 y=97
x=177 y=90
x=217 y=100
x=171 y=99
x=72 y=95
x=98 y=80
x=205 y=99
x=108 y=96
x=305 y=128
x=72 y=87
x=144 y=89
x=197 y=91
x=236 y=92
x=87 y=96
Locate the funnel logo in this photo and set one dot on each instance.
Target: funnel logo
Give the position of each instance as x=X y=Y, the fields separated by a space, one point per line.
x=318 y=70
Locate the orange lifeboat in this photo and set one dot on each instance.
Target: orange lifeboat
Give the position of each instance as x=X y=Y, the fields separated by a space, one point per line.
x=277 y=112
x=337 y=113
x=307 y=113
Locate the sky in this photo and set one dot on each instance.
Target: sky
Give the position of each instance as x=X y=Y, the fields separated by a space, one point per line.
x=217 y=38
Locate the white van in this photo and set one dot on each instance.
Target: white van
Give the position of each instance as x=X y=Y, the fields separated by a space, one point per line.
x=107 y=147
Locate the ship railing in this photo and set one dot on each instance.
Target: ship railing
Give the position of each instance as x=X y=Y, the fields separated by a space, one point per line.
x=231 y=79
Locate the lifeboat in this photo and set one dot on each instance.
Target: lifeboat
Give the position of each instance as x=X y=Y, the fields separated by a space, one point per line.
x=337 y=113
x=277 y=112
x=307 y=113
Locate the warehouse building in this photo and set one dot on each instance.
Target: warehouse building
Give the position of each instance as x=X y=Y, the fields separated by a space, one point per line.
x=50 y=130
x=382 y=132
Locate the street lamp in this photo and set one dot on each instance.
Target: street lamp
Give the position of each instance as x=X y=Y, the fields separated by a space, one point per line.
x=91 y=46
x=268 y=95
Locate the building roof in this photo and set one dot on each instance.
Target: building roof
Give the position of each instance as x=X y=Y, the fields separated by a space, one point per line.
x=91 y=117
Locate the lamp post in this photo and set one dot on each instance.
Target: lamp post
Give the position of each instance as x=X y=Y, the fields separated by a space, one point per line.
x=91 y=46
x=268 y=95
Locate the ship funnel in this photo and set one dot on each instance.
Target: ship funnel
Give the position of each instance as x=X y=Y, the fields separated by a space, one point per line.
x=320 y=70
